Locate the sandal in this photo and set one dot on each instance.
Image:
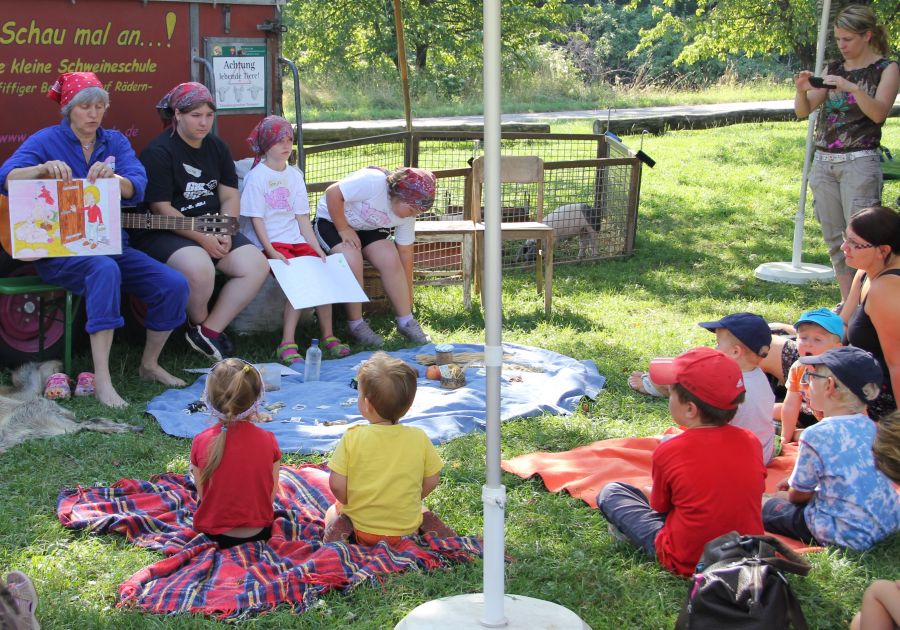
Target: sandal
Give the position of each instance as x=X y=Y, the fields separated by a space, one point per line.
x=25 y=596
x=85 y=384
x=57 y=387
x=336 y=348
x=287 y=354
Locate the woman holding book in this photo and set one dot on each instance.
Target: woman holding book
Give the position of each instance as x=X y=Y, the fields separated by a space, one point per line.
x=80 y=148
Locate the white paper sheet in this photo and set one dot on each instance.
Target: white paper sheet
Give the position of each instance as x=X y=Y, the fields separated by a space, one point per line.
x=307 y=281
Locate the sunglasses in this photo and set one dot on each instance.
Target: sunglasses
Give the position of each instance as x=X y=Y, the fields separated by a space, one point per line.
x=808 y=374
x=854 y=244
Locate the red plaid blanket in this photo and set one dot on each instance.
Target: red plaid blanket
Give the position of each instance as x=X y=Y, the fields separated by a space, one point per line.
x=294 y=567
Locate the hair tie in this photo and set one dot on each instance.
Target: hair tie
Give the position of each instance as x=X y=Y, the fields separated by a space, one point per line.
x=224 y=428
x=246 y=368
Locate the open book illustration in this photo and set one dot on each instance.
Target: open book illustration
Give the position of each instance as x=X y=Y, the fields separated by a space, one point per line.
x=51 y=218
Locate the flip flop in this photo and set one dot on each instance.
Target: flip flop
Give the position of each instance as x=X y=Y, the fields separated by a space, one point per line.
x=84 y=386
x=287 y=354
x=640 y=382
x=57 y=387
x=23 y=591
x=336 y=348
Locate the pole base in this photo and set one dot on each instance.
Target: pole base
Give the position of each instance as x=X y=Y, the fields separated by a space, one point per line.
x=463 y=612
x=788 y=273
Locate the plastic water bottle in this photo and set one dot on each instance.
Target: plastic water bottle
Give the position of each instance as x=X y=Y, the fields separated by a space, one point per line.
x=313 y=362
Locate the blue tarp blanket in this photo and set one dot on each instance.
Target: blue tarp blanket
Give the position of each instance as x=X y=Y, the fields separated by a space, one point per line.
x=534 y=381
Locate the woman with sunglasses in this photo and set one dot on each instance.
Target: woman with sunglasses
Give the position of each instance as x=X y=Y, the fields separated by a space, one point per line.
x=872 y=310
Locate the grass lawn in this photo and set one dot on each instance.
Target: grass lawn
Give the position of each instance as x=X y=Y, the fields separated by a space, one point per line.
x=339 y=101
x=718 y=203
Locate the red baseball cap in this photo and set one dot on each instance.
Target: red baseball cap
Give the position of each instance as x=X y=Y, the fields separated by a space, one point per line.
x=708 y=374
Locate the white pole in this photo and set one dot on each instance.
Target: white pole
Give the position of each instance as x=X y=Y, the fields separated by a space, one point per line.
x=807 y=158
x=493 y=493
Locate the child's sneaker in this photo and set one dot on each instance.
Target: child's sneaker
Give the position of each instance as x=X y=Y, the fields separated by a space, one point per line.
x=413 y=331
x=212 y=348
x=366 y=336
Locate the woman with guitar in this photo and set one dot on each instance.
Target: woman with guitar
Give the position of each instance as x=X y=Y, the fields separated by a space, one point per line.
x=78 y=147
x=192 y=174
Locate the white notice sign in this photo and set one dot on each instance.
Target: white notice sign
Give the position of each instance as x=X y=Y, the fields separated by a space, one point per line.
x=240 y=82
x=307 y=281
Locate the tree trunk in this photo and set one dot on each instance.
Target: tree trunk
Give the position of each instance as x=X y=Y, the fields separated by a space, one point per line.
x=421 y=56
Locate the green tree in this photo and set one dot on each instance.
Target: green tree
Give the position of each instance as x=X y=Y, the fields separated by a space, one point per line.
x=329 y=35
x=713 y=29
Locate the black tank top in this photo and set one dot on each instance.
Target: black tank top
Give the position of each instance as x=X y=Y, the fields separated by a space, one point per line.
x=862 y=334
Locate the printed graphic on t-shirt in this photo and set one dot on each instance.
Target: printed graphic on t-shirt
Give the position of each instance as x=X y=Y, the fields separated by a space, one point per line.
x=195 y=190
x=373 y=216
x=279 y=198
x=191 y=170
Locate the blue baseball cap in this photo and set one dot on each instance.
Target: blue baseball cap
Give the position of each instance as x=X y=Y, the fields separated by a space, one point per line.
x=824 y=317
x=857 y=369
x=749 y=328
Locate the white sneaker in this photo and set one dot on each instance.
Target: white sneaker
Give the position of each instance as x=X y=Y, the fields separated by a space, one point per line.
x=366 y=336
x=413 y=331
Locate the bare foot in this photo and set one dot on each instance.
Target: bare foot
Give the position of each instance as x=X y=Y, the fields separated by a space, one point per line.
x=339 y=530
x=636 y=382
x=156 y=373
x=433 y=524
x=108 y=395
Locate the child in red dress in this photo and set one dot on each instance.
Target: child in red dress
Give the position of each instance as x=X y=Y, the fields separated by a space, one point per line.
x=234 y=463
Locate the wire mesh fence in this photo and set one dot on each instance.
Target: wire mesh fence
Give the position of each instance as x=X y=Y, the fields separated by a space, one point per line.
x=592 y=188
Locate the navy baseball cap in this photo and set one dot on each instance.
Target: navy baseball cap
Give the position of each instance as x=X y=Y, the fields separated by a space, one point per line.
x=749 y=328
x=857 y=369
x=824 y=317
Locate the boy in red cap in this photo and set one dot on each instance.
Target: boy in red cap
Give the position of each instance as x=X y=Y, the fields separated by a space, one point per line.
x=707 y=481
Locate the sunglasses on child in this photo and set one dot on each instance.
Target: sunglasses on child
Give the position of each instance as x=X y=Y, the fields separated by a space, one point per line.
x=808 y=374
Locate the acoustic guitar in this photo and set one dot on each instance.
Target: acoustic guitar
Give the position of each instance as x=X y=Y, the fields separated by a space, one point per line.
x=207 y=224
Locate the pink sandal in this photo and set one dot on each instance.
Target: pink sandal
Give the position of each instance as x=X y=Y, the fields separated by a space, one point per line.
x=288 y=354
x=85 y=384
x=57 y=387
x=336 y=348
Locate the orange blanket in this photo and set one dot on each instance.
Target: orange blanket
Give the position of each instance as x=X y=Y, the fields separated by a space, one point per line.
x=583 y=471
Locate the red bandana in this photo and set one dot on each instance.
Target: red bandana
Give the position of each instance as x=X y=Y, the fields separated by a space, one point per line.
x=70 y=84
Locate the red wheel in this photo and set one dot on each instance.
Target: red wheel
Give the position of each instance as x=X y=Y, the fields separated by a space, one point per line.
x=22 y=318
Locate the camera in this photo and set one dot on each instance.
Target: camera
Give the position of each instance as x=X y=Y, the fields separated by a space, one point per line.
x=819 y=82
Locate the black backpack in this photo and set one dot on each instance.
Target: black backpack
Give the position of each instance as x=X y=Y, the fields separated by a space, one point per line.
x=740 y=584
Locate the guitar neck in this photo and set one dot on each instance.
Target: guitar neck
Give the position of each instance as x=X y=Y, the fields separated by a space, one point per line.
x=156 y=222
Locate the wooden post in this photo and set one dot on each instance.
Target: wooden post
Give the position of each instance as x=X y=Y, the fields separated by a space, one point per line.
x=401 y=63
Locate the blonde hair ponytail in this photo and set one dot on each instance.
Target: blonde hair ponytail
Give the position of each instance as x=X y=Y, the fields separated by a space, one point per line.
x=233 y=391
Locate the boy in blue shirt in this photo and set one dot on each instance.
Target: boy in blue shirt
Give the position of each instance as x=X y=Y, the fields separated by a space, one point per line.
x=836 y=495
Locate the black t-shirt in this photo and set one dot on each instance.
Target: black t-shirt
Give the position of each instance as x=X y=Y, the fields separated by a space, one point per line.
x=186 y=177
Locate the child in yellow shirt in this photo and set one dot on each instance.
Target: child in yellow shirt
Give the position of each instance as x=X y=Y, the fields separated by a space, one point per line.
x=381 y=471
